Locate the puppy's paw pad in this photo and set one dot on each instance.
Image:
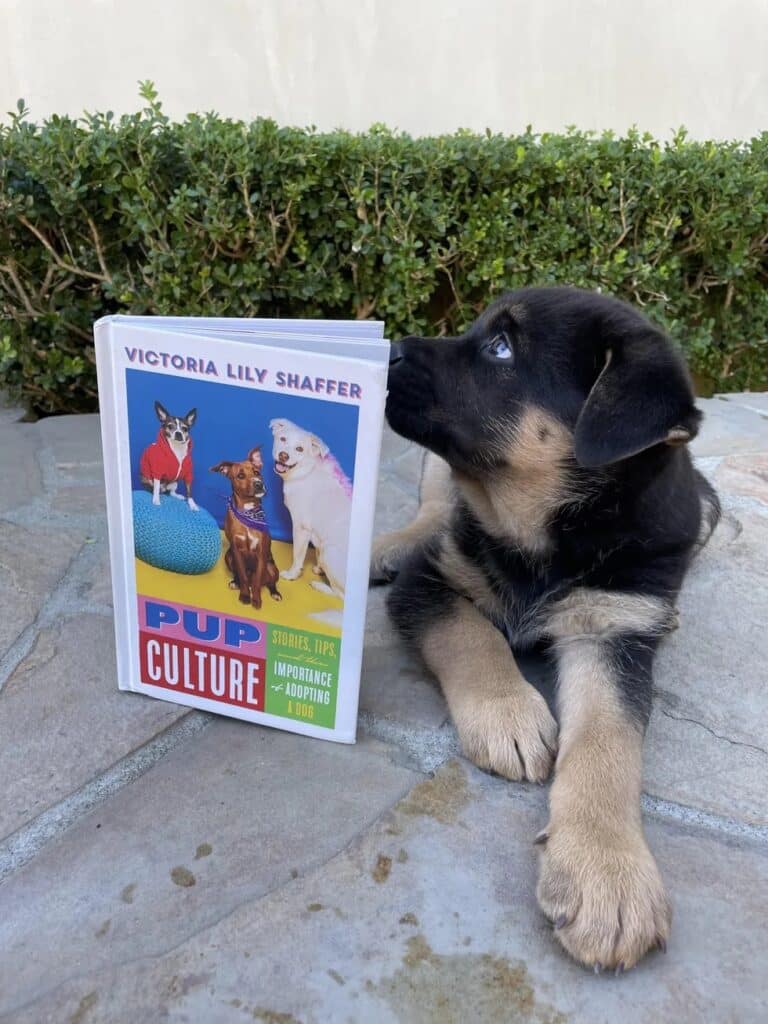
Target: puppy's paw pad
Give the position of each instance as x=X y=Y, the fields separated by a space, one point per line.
x=514 y=736
x=290 y=574
x=606 y=899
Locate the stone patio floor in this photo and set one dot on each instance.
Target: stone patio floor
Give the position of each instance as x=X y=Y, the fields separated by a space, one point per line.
x=160 y=864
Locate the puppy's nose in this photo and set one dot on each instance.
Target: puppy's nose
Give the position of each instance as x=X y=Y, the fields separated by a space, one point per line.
x=178 y=436
x=282 y=456
x=395 y=353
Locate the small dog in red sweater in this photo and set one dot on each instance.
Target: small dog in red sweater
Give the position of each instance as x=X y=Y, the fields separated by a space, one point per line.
x=169 y=458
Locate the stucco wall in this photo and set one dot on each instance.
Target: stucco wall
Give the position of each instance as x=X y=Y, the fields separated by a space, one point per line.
x=421 y=65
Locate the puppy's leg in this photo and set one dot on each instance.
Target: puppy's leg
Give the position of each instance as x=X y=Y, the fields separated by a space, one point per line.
x=171 y=490
x=392 y=550
x=598 y=880
x=301 y=538
x=503 y=723
x=155 y=492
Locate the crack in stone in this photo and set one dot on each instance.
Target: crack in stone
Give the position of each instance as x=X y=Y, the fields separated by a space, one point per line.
x=717 y=735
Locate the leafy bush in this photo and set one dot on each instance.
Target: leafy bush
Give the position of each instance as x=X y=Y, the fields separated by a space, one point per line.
x=217 y=217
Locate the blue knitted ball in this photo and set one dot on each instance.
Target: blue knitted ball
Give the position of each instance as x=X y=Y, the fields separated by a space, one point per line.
x=171 y=536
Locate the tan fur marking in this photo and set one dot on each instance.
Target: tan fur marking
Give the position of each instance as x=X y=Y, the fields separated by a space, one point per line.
x=390 y=550
x=516 y=502
x=602 y=613
x=466 y=578
x=598 y=879
x=503 y=723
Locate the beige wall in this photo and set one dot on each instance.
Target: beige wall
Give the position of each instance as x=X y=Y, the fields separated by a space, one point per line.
x=421 y=65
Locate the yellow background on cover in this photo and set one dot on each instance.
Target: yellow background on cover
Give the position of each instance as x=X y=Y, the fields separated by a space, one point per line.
x=211 y=591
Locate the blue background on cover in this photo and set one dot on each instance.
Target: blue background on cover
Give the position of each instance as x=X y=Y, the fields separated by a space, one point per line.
x=230 y=421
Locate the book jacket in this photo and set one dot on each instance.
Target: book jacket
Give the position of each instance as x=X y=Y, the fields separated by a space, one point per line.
x=240 y=459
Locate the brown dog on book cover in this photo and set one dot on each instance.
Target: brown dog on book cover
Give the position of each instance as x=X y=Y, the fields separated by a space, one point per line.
x=249 y=557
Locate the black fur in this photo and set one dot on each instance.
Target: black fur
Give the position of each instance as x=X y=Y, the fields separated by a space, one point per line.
x=637 y=507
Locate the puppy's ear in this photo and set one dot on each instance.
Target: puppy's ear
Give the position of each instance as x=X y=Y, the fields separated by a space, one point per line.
x=642 y=397
x=275 y=425
x=190 y=418
x=160 y=412
x=222 y=467
x=319 y=447
x=254 y=457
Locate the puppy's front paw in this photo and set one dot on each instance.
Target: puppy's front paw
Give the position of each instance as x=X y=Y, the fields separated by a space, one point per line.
x=514 y=735
x=604 y=894
x=156 y=501
x=193 y=505
x=290 y=574
x=388 y=554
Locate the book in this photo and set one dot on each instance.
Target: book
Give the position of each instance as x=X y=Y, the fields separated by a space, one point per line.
x=240 y=461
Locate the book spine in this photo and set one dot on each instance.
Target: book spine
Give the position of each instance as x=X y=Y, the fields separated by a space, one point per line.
x=119 y=531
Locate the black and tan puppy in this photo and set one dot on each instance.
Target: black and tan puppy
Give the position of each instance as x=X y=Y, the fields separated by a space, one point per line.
x=559 y=505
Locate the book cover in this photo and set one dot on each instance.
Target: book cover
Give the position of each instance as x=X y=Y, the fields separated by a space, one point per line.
x=240 y=462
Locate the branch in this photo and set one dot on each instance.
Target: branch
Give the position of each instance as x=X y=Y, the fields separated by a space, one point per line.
x=10 y=270
x=55 y=256
x=99 y=251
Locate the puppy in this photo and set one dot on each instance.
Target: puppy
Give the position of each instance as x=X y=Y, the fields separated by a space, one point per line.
x=559 y=505
x=249 y=556
x=319 y=497
x=169 y=458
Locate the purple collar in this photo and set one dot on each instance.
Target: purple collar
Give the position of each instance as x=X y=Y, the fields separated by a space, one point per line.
x=253 y=518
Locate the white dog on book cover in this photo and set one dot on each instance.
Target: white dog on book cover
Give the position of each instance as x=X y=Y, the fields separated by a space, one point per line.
x=318 y=495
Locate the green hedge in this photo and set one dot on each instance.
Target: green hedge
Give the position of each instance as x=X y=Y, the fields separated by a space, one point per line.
x=212 y=216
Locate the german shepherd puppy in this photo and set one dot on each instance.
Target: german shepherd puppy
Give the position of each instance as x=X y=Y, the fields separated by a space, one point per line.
x=560 y=506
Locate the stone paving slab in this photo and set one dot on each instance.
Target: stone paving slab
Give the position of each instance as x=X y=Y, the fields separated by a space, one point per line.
x=19 y=465
x=729 y=428
x=707 y=743
x=74 y=445
x=103 y=924
x=31 y=564
x=757 y=401
x=428 y=916
x=224 y=819
x=63 y=700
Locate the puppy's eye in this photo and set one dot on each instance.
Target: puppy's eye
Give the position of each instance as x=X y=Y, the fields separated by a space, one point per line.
x=500 y=347
x=282 y=439
x=299 y=448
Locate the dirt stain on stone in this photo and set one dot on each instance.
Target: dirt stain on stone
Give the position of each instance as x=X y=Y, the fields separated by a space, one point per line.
x=456 y=988
x=260 y=1013
x=84 y=1007
x=103 y=929
x=382 y=869
x=336 y=976
x=203 y=850
x=314 y=907
x=402 y=856
x=410 y=918
x=182 y=876
x=442 y=797
x=127 y=894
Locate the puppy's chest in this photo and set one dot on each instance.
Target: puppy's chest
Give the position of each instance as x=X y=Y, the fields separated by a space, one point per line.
x=517 y=590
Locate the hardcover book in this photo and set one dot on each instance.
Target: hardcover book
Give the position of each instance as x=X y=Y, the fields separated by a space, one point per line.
x=240 y=459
